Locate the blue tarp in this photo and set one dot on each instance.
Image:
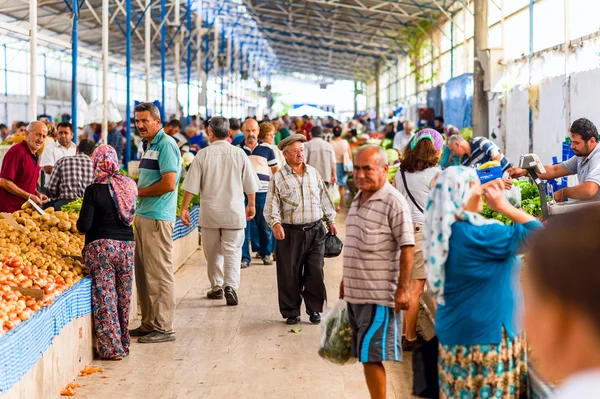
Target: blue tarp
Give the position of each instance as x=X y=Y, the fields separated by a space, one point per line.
x=458 y=101
x=434 y=101
x=23 y=346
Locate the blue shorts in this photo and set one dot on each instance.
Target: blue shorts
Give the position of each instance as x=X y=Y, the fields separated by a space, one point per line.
x=341 y=174
x=376 y=333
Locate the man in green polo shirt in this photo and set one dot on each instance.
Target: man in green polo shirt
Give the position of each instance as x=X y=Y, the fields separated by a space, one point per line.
x=282 y=132
x=159 y=168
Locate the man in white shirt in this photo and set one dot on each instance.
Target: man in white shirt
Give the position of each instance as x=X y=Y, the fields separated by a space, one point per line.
x=403 y=137
x=63 y=147
x=221 y=174
x=321 y=156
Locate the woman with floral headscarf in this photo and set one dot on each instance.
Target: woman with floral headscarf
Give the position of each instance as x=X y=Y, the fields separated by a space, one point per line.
x=414 y=179
x=106 y=218
x=473 y=273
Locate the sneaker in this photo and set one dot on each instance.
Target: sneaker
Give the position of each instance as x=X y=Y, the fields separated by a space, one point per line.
x=292 y=320
x=257 y=256
x=315 y=317
x=218 y=294
x=267 y=260
x=231 y=296
x=245 y=265
x=156 y=337
x=138 y=332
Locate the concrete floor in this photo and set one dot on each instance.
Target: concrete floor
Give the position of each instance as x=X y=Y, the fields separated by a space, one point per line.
x=239 y=352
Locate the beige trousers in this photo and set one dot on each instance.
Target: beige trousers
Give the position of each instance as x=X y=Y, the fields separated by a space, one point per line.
x=223 y=252
x=154 y=275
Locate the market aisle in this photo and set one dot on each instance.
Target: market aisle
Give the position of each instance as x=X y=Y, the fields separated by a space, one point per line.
x=242 y=352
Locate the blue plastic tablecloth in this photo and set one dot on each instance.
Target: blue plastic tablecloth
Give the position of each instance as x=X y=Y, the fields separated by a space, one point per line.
x=22 y=347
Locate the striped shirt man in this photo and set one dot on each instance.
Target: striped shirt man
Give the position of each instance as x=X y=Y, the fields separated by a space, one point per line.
x=482 y=151
x=293 y=199
x=262 y=159
x=375 y=233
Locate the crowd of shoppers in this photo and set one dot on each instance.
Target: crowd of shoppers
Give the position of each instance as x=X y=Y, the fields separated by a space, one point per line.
x=261 y=183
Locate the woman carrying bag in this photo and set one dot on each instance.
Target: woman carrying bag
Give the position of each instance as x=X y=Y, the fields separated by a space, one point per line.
x=473 y=272
x=417 y=173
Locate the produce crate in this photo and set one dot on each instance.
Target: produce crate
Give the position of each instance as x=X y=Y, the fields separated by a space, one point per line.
x=489 y=174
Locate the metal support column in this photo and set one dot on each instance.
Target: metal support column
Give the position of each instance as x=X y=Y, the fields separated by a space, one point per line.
x=199 y=58
x=104 y=71
x=33 y=29
x=128 y=79
x=177 y=55
x=5 y=83
x=355 y=98
x=148 y=45
x=480 y=97
x=163 y=51
x=567 y=33
x=205 y=76
x=451 y=49
x=222 y=69
x=377 y=92
x=188 y=50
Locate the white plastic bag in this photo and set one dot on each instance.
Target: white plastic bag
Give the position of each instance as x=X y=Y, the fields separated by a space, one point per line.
x=334 y=193
x=336 y=335
x=513 y=196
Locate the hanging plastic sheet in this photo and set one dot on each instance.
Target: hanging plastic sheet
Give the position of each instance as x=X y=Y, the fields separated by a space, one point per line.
x=458 y=101
x=434 y=100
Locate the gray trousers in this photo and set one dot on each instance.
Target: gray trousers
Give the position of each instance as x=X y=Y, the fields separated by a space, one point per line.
x=300 y=263
x=223 y=251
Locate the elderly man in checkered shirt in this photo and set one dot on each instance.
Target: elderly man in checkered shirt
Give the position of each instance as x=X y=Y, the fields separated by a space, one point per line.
x=71 y=175
x=297 y=205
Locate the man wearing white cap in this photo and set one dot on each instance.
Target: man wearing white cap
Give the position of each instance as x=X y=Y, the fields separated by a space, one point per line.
x=297 y=204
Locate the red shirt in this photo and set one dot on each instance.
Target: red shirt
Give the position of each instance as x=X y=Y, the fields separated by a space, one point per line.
x=306 y=129
x=22 y=168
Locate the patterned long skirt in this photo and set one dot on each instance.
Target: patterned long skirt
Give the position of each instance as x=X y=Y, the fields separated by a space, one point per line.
x=110 y=263
x=484 y=371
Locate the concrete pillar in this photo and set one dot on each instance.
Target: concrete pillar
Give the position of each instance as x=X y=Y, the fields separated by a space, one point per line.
x=480 y=97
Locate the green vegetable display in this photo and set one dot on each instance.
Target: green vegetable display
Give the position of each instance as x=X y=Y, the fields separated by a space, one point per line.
x=530 y=203
x=336 y=336
x=73 y=206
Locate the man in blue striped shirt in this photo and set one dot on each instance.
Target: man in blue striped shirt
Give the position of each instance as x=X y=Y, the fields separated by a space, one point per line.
x=478 y=150
x=264 y=163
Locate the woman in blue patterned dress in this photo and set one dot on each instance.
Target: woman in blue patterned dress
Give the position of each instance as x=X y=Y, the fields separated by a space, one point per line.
x=106 y=219
x=473 y=272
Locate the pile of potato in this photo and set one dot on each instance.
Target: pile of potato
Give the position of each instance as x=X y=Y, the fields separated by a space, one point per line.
x=40 y=257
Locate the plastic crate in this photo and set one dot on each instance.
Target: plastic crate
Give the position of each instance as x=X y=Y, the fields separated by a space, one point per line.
x=567 y=152
x=489 y=174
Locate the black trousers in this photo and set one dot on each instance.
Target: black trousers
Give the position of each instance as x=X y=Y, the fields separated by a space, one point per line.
x=300 y=268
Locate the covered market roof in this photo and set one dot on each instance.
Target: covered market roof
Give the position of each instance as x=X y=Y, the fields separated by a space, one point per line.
x=339 y=39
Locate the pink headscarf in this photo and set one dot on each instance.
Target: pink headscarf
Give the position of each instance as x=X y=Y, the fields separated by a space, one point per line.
x=123 y=190
x=428 y=134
